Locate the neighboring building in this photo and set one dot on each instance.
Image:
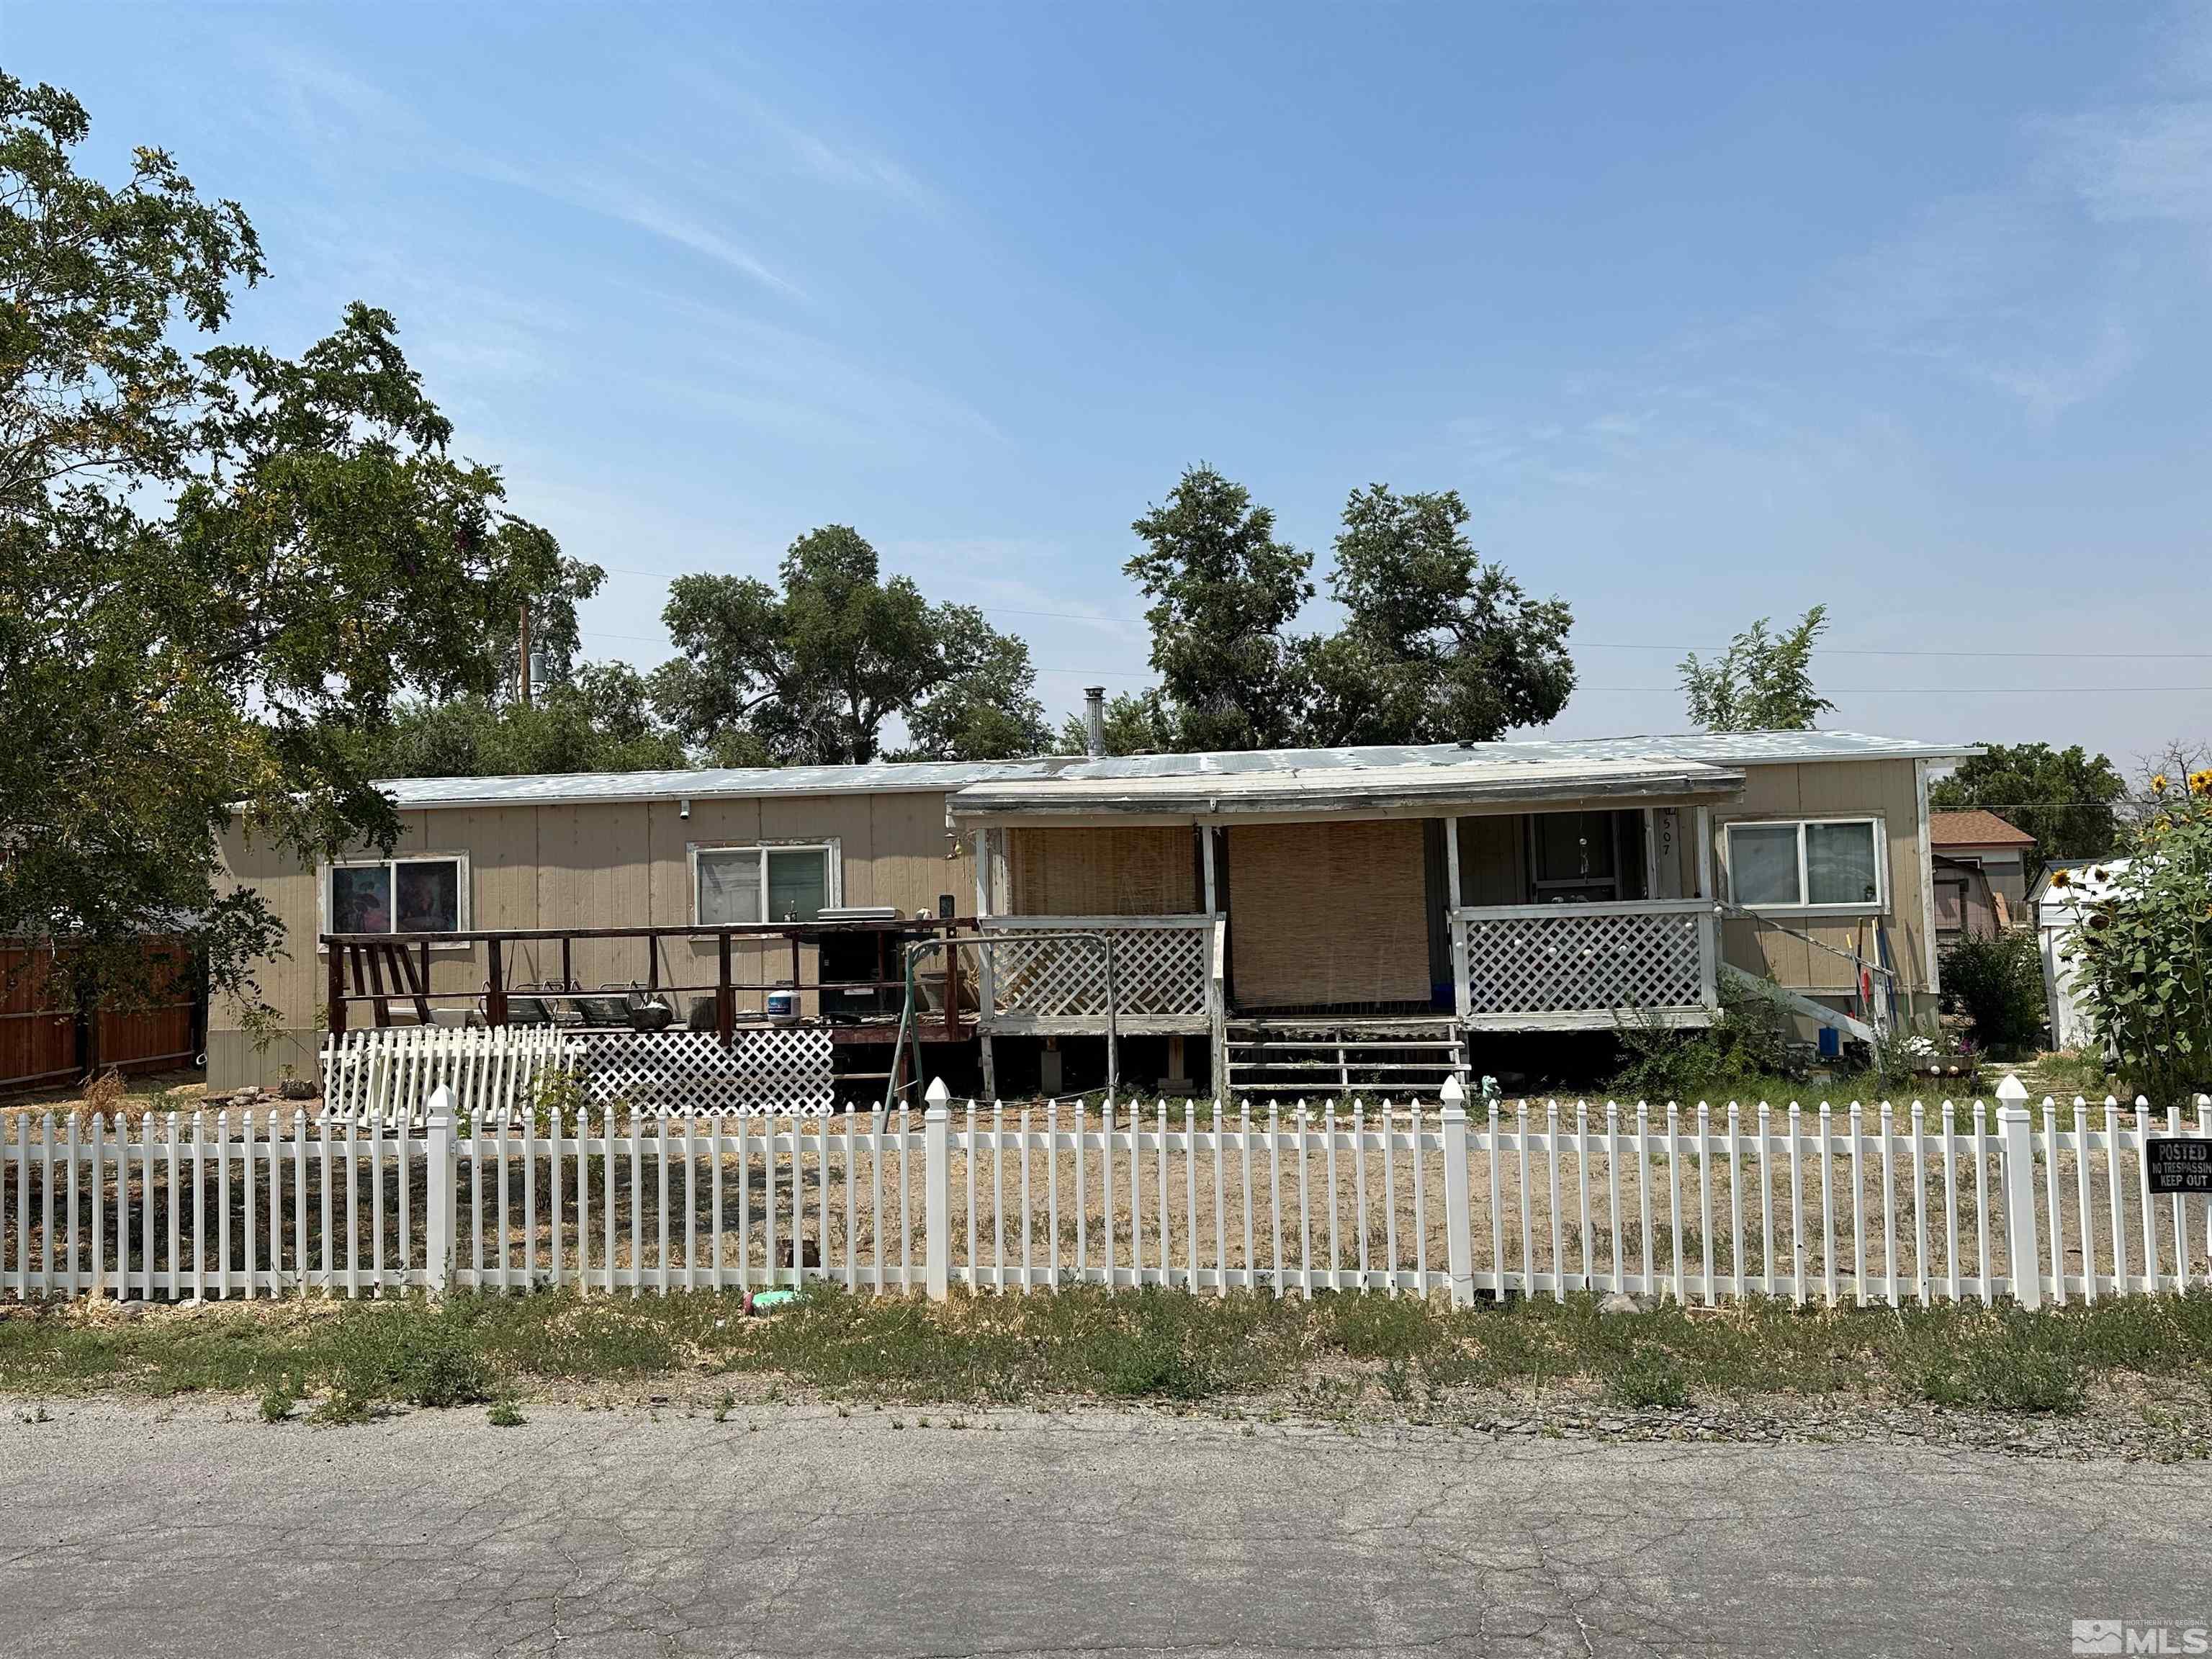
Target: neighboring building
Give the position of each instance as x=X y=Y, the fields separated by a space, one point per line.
x=2058 y=911
x=1352 y=902
x=1983 y=867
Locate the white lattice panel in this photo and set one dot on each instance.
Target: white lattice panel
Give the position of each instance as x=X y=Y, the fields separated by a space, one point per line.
x=1578 y=963
x=1158 y=970
x=779 y=1069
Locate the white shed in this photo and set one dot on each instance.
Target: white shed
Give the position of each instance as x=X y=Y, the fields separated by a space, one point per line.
x=2057 y=913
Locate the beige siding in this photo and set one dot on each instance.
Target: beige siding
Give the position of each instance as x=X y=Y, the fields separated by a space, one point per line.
x=1328 y=914
x=1494 y=861
x=1072 y=871
x=617 y=865
x=1884 y=789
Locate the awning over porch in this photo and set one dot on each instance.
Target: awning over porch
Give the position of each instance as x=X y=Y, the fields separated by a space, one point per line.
x=1107 y=792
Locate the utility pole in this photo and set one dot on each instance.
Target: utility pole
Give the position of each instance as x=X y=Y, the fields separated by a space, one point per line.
x=522 y=657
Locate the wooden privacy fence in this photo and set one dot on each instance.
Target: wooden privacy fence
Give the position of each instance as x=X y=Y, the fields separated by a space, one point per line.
x=44 y=1040
x=1924 y=1205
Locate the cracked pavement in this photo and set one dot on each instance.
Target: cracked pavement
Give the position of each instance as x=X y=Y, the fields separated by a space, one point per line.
x=195 y=1529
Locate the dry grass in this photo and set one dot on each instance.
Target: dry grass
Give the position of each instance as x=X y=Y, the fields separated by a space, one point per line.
x=132 y=1094
x=1402 y=1355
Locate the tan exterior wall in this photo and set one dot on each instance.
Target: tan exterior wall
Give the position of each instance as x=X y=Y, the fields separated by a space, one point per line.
x=1885 y=789
x=1328 y=913
x=1077 y=872
x=622 y=864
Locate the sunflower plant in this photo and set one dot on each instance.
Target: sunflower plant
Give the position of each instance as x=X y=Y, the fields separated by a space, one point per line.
x=2142 y=955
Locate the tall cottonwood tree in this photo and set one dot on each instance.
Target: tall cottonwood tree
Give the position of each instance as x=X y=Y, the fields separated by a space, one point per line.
x=216 y=570
x=812 y=670
x=1223 y=590
x=1437 y=645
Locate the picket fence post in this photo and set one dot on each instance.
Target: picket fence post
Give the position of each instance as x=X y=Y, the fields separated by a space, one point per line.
x=438 y=1156
x=1459 y=1237
x=2020 y=1193
x=937 y=1189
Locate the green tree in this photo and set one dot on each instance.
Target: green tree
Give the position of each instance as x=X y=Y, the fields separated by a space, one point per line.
x=1137 y=723
x=989 y=710
x=1761 y=683
x=599 y=719
x=812 y=673
x=1223 y=591
x=2065 y=797
x=217 y=572
x=1437 y=647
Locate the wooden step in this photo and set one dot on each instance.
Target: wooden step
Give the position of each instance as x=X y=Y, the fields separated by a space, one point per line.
x=1348 y=1044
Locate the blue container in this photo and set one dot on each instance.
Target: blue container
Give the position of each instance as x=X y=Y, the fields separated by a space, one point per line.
x=783 y=1005
x=1831 y=1043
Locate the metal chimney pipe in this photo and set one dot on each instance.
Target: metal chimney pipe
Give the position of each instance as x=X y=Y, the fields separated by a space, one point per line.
x=1094 y=720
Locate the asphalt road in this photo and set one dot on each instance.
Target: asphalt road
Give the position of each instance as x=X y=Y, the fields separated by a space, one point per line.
x=123 y=1530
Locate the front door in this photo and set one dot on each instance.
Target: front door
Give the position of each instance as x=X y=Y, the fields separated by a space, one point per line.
x=1575 y=857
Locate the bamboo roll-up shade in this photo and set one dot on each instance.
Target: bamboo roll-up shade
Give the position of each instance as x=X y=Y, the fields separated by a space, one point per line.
x=1328 y=913
x=1137 y=871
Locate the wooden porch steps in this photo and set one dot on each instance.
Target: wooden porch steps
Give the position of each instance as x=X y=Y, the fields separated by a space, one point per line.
x=1307 y=1058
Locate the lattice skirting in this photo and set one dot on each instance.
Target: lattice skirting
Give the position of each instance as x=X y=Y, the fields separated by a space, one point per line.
x=779 y=1070
x=1157 y=970
x=1565 y=964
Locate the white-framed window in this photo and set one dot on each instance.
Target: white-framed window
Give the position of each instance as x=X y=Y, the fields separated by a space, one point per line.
x=776 y=881
x=1808 y=863
x=414 y=893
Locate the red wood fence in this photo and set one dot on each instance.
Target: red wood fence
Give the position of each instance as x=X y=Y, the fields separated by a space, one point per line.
x=43 y=1043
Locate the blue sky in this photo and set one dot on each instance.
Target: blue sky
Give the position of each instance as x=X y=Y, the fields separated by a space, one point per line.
x=1709 y=312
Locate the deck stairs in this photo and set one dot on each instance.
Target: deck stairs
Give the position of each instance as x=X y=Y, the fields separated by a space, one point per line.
x=1304 y=1058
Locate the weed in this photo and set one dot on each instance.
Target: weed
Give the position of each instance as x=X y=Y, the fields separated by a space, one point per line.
x=278 y=1399
x=343 y=1407
x=1648 y=1376
x=723 y=1406
x=505 y=1413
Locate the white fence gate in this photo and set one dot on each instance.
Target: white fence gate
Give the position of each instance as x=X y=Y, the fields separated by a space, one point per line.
x=1827 y=1206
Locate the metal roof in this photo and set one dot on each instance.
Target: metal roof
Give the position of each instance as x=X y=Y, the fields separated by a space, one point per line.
x=1727 y=749
x=707 y=783
x=1326 y=789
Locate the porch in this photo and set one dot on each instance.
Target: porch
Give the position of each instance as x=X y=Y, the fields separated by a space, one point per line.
x=1520 y=967
x=1348 y=925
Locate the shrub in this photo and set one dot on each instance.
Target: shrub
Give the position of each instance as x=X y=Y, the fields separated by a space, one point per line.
x=1750 y=1040
x=1998 y=983
x=1647 y=1377
x=2142 y=956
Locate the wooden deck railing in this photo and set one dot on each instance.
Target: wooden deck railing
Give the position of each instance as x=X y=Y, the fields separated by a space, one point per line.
x=380 y=970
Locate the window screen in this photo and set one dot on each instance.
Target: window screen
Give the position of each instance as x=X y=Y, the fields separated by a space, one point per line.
x=729 y=887
x=1839 y=864
x=1763 y=863
x=798 y=883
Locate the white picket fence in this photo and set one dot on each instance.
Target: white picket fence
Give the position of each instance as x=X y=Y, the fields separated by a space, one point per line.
x=1828 y=1205
x=374 y=1078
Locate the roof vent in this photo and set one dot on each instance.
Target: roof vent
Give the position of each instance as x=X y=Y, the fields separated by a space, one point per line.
x=1094 y=720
